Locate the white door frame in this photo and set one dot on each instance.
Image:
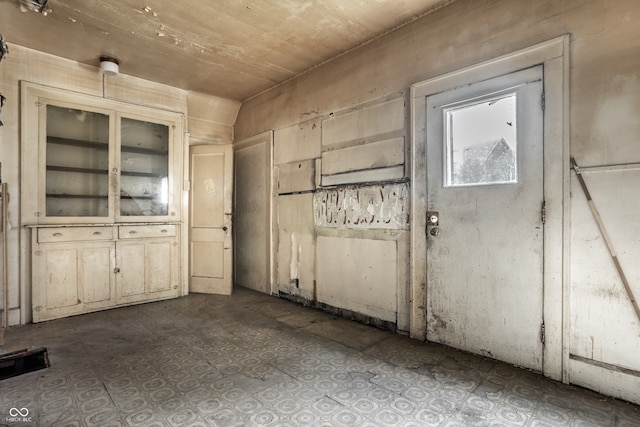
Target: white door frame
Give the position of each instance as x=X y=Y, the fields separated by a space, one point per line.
x=554 y=56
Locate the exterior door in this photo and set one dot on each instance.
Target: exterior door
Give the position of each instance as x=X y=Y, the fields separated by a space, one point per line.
x=485 y=217
x=210 y=249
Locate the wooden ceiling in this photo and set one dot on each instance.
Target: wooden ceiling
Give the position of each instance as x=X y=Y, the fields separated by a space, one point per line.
x=229 y=48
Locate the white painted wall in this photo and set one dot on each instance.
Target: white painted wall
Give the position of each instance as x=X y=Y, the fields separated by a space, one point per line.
x=319 y=258
x=601 y=333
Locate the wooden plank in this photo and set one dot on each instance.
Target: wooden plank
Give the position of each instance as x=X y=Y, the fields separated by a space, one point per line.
x=367 y=122
x=298 y=142
x=371 y=272
x=385 y=153
x=371 y=175
x=296 y=177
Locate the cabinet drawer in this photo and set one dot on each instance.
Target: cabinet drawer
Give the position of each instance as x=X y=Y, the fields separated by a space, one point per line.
x=143 y=231
x=74 y=234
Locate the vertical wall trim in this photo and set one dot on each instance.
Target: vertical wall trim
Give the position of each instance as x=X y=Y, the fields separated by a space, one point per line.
x=566 y=223
x=273 y=215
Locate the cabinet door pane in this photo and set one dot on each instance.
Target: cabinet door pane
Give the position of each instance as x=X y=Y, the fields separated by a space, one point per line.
x=77 y=175
x=144 y=163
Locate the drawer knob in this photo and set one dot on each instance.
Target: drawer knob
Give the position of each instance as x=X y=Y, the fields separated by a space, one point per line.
x=132 y=232
x=57 y=234
x=163 y=230
x=97 y=233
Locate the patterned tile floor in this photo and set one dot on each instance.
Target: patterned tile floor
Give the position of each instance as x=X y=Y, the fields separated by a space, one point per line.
x=254 y=360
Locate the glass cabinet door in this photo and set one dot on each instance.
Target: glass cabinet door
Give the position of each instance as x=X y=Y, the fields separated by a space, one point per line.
x=144 y=168
x=77 y=163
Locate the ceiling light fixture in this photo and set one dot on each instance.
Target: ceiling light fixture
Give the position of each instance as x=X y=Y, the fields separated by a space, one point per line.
x=109 y=66
x=39 y=6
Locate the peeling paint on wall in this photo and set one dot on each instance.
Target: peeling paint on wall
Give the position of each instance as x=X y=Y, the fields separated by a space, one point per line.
x=296 y=250
x=363 y=207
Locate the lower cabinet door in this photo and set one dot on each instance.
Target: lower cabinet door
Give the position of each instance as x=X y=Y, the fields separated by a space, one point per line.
x=72 y=278
x=147 y=269
x=96 y=272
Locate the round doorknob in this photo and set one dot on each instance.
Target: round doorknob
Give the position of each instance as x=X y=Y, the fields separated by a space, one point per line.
x=434 y=231
x=224 y=228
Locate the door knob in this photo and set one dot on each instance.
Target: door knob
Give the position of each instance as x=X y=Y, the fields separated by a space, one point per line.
x=224 y=228
x=433 y=218
x=434 y=231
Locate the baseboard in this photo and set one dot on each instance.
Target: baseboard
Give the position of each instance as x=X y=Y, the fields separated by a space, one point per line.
x=340 y=312
x=608 y=379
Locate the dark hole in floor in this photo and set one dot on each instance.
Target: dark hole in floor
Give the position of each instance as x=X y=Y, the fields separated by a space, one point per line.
x=23 y=361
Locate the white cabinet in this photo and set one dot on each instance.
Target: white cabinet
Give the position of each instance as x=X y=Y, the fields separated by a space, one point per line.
x=144 y=257
x=103 y=196
x=72 y=271
x=87 y=268
x=96 y=161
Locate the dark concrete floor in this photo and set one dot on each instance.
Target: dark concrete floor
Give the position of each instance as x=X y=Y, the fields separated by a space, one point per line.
x=254 y=360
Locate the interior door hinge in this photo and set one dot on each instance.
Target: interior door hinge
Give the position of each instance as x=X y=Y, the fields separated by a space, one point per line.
x=542 y=101
x=543 y=213
x=542 y=333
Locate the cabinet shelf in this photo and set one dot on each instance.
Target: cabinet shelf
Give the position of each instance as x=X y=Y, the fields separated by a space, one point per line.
x=127 y=197
x=144 y=174
x=103 y=171
x=77 y=170
x=77 y=143
x=76 y=196
x=104 y=146
x=141 y=150
x=98 y=196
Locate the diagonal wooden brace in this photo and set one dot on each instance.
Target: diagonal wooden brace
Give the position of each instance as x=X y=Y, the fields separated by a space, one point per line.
x=603 y=231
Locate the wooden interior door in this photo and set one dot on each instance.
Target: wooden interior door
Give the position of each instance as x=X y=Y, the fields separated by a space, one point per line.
x=210 y=246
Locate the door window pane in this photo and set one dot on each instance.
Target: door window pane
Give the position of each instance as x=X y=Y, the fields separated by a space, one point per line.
x=144 y=162
x=77 y=163
x=481 y=142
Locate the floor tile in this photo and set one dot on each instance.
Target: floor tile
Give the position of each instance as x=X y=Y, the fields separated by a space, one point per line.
x=253 y=360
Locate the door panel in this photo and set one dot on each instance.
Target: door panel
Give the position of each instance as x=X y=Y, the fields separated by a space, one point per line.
x=132 y=263
x=207 y=259
x=95 y=273
x=60 y=272
x=210 y=219
x=159 y=277
x=485 y=192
